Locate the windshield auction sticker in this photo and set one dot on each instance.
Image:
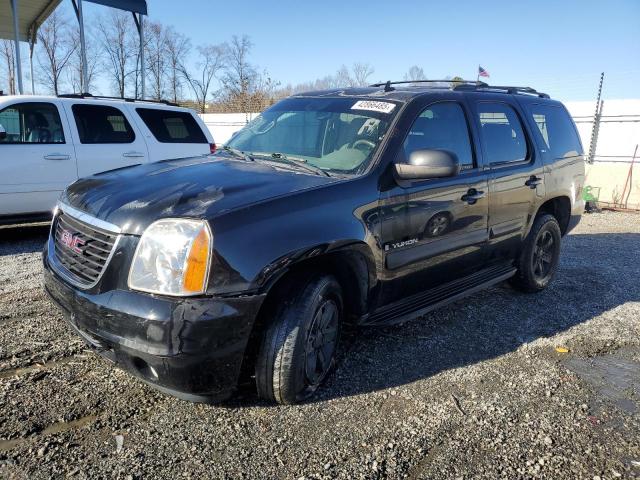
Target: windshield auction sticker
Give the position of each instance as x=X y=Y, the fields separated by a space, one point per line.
x=382 y=107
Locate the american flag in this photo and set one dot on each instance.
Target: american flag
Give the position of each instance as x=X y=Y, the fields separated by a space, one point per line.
x=482 y=72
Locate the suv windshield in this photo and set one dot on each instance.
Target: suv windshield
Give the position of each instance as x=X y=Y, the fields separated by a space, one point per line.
x=334 y=134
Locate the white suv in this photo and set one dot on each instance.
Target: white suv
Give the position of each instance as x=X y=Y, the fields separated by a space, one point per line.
x=46 y=143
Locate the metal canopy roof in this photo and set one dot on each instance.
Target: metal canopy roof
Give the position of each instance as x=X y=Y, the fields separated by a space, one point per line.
x=136 y=6
x=20 y=20
x=31 y=14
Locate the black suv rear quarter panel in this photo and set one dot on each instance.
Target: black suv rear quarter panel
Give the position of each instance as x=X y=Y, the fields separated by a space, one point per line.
x=563 y=177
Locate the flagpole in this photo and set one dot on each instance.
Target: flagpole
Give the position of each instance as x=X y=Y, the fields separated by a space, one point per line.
x=478 y=77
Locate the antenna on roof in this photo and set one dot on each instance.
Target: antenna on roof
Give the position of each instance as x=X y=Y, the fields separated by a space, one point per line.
x=388 y=87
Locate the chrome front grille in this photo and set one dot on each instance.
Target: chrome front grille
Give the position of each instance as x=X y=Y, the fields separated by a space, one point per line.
x=83 y=250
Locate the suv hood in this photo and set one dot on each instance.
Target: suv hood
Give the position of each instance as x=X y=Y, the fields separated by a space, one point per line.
x=199 y=187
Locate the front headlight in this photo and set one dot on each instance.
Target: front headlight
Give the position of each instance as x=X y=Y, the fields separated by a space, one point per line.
x=172 y=258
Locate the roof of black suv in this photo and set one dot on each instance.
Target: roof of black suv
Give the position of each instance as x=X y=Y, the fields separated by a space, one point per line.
x=404 y=91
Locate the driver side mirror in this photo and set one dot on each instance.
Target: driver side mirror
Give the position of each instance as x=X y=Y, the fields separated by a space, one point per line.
x=3 y=133
x=425 y=164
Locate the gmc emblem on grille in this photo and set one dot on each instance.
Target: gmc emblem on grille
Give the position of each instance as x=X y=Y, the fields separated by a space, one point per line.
x=71 y=241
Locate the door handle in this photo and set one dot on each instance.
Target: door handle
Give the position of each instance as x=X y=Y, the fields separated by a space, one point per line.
x=133 y=154
x=472 y=196
x=533 y=182
x=57 y=156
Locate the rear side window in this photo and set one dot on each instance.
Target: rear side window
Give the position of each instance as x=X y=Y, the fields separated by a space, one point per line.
x=441 y=126
x=34 y=122
x=172 y=127
x=102 y=124
x=557 y=130
x=502 y=133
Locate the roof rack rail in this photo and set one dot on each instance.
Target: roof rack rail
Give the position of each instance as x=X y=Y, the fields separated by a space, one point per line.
x=125 y=99
x=508 y=89
x=401 y=82
x=467 y=85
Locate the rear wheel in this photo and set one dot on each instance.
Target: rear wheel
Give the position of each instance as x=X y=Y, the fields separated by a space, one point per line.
x=540 y=256
x=299 y=345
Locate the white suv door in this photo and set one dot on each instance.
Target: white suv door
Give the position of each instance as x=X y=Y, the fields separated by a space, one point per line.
x=37 y=159
x=105 y=138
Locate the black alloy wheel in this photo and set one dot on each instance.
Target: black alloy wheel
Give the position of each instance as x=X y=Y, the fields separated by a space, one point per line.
x=321 y=342
x=540 y=256
x=299 y=344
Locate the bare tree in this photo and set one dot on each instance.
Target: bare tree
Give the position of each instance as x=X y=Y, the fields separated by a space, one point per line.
x=240 y=78
x=7 y=54
x=56 y=46
x=177 y=46
x=343 y=78
x=415 y=73
x=119 y=48
x=358 y=76
x=138 y=73
x=211 y=61
x=361 y=74
x=156 y=53
x=74 y=72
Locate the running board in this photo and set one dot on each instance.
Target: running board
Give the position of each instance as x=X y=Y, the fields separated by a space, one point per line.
x=422 y=303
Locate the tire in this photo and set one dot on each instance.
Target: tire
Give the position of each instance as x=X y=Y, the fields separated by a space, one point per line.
x=539 y=259
x=285 y=368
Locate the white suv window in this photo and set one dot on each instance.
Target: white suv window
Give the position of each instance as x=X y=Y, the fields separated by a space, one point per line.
x=102 y=124
x=33 y=122
x=169 y=126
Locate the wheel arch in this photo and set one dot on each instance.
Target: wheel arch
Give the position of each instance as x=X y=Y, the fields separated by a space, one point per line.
x=560 y=208
x=352 y=265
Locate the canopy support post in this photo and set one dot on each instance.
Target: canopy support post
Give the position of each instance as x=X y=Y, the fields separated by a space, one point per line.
x=139 y=21
x=14 y=8
x=33 y=83
x=84 y=87
x=141 y=56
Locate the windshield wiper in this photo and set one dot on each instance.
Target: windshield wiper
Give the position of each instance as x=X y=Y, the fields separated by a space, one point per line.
x=238 y=153
x=298 y=162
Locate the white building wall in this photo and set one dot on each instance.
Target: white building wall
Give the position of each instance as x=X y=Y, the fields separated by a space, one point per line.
x=618 y=136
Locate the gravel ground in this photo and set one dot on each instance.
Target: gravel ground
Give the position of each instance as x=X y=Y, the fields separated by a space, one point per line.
x=473 y=390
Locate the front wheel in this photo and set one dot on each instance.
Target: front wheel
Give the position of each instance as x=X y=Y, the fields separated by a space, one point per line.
x=298 y=347
x=540 y=256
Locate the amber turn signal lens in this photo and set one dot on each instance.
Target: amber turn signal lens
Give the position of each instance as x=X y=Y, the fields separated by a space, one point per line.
x=195 y=275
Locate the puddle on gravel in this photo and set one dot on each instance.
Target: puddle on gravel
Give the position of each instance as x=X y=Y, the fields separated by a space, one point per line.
x=614 y=378
x=57 y=427
x=36 y=367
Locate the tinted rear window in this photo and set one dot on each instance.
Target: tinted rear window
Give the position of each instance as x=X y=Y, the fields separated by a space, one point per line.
x=557 y=130
x=102 y=124
x=501 y=133
x=172 y=127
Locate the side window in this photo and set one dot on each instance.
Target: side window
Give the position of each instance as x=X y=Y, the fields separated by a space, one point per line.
x=172 y=127
x=557 y=130
x=442 y=126
x=32 y=123
x=502 y=133
x=102 y=124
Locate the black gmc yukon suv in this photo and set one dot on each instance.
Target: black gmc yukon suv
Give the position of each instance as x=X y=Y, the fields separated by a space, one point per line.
x=369 y=206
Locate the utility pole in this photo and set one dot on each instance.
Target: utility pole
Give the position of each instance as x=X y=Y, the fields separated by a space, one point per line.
x=596 y=122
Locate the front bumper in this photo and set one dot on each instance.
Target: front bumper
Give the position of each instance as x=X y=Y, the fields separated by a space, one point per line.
x=191 y=348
